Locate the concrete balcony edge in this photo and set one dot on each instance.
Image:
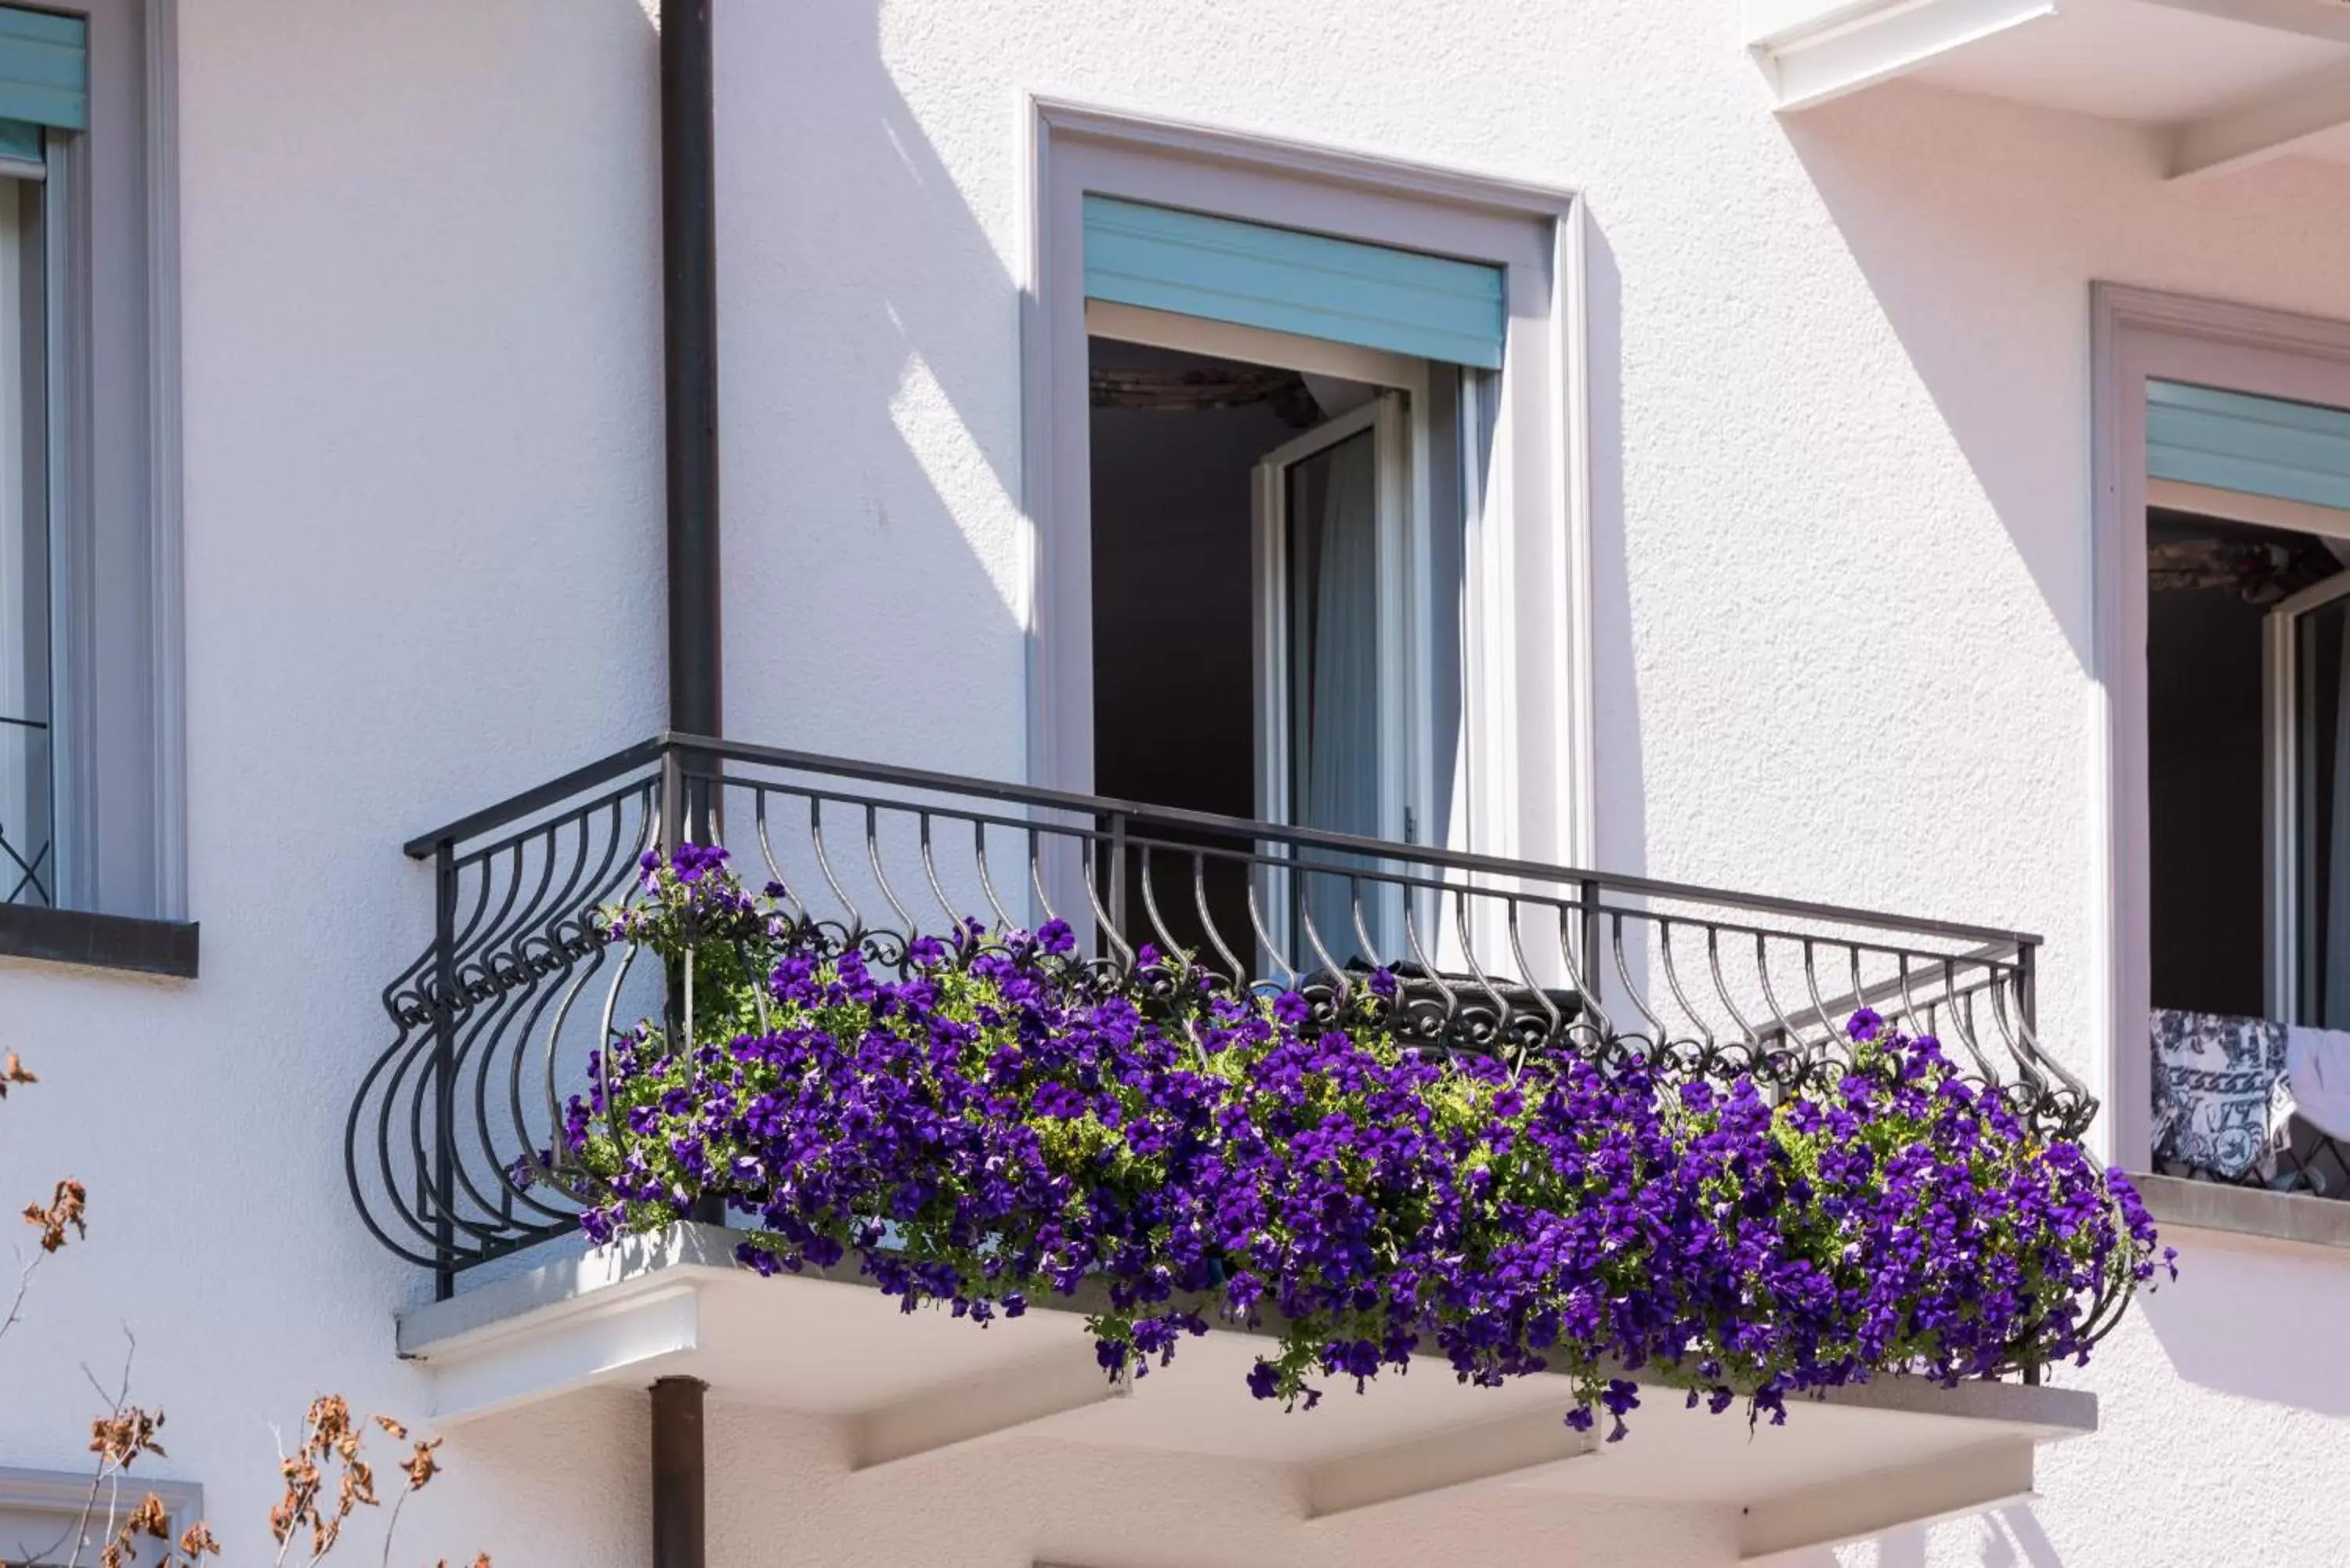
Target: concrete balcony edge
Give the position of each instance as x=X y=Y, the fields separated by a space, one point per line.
x=687 y=1254
x=1850 y=1464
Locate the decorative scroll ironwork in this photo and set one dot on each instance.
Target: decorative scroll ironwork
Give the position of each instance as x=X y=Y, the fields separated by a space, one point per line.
x=497 y=1018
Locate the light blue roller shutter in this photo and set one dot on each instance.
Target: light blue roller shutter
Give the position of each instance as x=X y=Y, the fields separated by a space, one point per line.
x=1283 y=280
x=2261 y=446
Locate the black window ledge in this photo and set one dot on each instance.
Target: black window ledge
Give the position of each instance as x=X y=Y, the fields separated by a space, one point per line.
x=100 y=941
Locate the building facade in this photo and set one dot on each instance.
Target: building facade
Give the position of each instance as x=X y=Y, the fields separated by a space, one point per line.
x=1862 y=457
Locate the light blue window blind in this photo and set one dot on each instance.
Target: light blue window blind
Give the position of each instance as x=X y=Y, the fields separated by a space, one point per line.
x=44 y=79
x=2261 y=446
x=1432 y=308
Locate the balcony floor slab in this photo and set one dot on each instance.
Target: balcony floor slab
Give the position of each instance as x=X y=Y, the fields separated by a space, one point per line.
x=916 y=1388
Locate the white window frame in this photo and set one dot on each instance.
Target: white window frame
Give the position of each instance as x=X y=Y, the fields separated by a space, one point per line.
x=1526 y=784
x=61 y=1495
x=1402 y=724
x=117 y=610
x=2137 y=336
x=2282 y=932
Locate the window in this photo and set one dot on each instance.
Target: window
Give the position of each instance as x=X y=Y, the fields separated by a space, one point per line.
x=1304 y=463
x=40 y=1510
x=2248 y=587
x=90 y=648
x=2223 y=535
x=28 y=870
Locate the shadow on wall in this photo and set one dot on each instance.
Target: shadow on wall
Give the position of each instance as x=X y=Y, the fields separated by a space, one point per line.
x=1622 y=838
x=871 y=393
x=2228 y=1324
x=872 y=401
x=1996 y=1538
x=1977 y=229
x=1971 y=280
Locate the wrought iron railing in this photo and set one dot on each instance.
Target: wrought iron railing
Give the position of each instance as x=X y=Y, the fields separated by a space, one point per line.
x=497 y=1018
x=27 y=875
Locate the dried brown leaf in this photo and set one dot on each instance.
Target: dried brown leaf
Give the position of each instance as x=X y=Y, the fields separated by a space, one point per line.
x=421 y=1467
x=65 y=1212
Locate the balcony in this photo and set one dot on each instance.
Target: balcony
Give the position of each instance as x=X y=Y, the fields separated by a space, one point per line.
x=2223 y=84
x=497 y=1020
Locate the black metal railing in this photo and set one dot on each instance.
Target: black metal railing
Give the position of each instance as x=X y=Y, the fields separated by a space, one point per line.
x=497 y=1018
x=2300 y=1158
x=26 y=837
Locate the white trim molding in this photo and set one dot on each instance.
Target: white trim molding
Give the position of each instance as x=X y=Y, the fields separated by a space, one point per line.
x=1534 y=751
x=116 y=466
x=1814 y=51
x=2137 y=334
x=60 y=1496
x=167 y=610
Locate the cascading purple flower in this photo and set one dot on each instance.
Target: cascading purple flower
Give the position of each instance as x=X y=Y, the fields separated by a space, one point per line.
x=989 y=1118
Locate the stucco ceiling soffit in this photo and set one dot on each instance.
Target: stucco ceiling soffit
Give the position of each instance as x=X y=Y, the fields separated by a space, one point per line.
x=2218 y=84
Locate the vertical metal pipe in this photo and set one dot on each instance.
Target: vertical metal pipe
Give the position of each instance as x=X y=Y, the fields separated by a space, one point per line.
x=1118 y=881
x=1588 y=895
x=680 y=1484
x=444 y=1067
x=690 y=387
x=689 y=365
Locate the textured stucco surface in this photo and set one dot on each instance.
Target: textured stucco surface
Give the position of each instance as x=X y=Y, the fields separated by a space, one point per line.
x=1843 y=633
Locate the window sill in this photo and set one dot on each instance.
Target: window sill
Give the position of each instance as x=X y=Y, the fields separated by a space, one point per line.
x=2299 y=1217
x=99 y=941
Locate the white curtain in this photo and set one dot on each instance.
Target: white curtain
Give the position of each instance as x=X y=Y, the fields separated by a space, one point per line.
x=1335 y=678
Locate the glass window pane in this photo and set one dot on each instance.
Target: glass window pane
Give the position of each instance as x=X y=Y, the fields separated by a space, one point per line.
x=27 y=827
x=1334 y=679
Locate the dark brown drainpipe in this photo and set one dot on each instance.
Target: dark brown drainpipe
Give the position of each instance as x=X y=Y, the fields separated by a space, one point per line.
x=690 y=399
x=689 y=365
x=678 y=1483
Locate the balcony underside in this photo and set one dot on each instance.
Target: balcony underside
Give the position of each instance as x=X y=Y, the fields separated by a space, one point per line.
x=2223 y=84
x=920 y=1389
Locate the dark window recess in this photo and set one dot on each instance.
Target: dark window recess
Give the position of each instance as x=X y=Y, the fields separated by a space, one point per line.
x=2206 y=753
x=1175 y=441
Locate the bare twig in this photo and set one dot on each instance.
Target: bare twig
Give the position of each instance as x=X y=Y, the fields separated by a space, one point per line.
x=25 y=1271
x=117 y=1438
x=331 y=1440
x=65 y=1209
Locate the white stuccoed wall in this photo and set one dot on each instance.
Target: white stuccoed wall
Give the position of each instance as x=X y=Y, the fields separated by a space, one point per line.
x=1841 y=404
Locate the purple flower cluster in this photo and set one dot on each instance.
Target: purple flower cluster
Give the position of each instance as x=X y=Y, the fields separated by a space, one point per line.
x=995 y=1118
x=688 y=899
